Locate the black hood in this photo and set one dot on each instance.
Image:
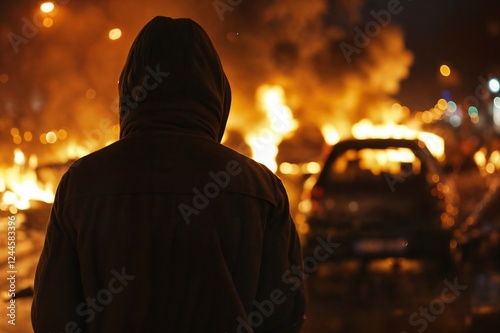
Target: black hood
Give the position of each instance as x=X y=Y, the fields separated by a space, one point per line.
x=173 y=81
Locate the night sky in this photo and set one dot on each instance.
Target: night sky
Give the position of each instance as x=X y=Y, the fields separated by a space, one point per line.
x=463 y=34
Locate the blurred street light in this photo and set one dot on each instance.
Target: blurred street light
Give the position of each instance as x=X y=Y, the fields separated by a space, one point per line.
x=494 y=85
x=445 y=70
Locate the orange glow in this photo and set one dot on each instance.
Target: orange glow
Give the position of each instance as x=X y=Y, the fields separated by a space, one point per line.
x=289 y=168
x=14 y=131
x=74 y=151
x=280 y=124
x=490 y=168
x=47 y=7
x=4 y=78
x=48 y=22
x=90 y=94
x=435 y=178
x=487 y=164
x=427 y=117
x=20 y=185
x=17 y=139
x=62 y=134
x=379 y=160
x=116 y=130
x=364 y=129
x=442 y=104
x=43 y=140
x=480 y=157
x=115 y=34
x=51 y=137
x=28 y=136
x=330 y=134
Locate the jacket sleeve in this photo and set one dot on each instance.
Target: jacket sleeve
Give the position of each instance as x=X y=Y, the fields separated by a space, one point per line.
x=282 y=293
x=58 y=291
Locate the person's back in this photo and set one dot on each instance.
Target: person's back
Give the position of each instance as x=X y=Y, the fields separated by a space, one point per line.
x=167 y=230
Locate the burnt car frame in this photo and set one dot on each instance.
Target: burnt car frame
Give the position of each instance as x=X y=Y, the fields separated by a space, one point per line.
x=406 y=211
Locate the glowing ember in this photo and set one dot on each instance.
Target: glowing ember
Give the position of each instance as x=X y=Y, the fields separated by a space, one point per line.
x=19 y=184
x=281 y=123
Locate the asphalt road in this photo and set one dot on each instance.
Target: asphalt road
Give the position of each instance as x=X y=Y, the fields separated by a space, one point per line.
x=405 y=299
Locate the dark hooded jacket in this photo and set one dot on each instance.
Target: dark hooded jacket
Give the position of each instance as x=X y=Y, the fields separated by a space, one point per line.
x=167 y=230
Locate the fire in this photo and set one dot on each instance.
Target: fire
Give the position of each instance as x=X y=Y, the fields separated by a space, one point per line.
x=330 y=134
x=19 y=184
x=280 y=124
x=366 y=129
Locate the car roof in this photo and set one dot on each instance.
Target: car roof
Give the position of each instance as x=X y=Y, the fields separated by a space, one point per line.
x=379 y=143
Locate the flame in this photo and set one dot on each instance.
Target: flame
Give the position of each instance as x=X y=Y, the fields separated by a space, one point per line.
x=330 y=134
x=280 y=124
x=379 y=160
x=365 y=129
x=19 y=184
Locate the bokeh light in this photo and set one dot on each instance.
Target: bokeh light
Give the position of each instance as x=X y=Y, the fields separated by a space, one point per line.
x=51 y=137
x=114 y=34
x=62 y=134
x=473 y=111
x=494 y=85
x=496 y=102
x=28 y=136
x=90 y=94
x=445 y=70
x=47 y=7
x=48 y=22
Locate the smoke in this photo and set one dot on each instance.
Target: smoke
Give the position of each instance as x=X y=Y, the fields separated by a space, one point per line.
x=296 y=44
x=65 y=76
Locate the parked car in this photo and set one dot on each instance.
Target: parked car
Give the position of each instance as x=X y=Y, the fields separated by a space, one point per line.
x=381 y=198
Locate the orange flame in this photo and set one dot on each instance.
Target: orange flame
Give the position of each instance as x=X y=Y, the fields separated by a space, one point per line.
x=280 y=124
x=20 y=185
x=366 y=129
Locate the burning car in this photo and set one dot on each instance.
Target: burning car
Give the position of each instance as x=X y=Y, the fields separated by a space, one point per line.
x=381 y=198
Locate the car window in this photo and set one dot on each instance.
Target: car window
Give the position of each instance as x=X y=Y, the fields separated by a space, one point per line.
x=371 y=164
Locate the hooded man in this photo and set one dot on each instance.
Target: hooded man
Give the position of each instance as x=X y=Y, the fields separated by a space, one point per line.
x=167 y=230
